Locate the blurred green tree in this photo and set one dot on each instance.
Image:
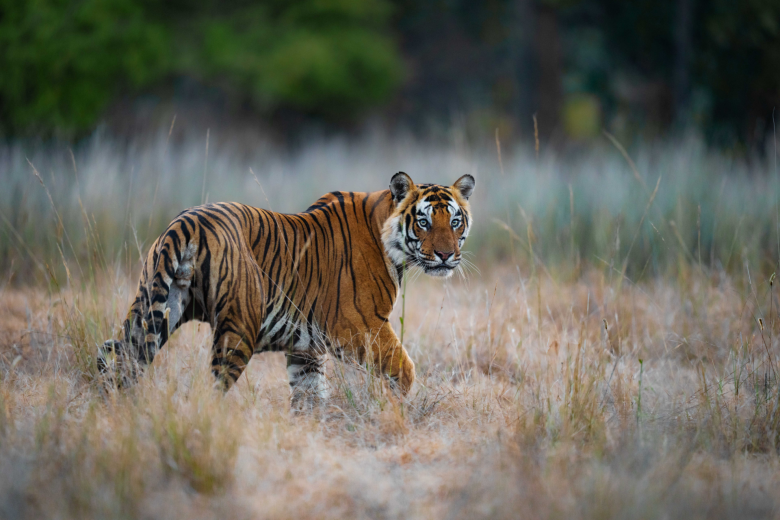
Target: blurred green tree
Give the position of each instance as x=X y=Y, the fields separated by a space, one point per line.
x=62 y=62
x=327 y=57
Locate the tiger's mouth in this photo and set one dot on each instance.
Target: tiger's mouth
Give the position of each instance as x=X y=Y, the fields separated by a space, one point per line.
x=441 y=269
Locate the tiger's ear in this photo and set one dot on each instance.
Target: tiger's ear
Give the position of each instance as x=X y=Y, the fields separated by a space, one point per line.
x=465 y=185
x=400 y=185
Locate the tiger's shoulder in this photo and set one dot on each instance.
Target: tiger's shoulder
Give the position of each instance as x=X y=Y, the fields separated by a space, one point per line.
x=337 y=198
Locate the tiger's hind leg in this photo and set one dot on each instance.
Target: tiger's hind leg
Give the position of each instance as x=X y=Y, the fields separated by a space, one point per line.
x=148 y=325
x=230 y=356
x=123 y=361
x=118 y=361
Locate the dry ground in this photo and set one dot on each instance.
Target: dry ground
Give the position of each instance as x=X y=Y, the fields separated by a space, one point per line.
x=526 y=406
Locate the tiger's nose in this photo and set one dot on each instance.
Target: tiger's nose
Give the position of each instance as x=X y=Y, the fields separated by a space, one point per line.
x=443 y=255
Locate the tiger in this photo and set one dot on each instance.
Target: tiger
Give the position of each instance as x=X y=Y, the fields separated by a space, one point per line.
x=324 y=280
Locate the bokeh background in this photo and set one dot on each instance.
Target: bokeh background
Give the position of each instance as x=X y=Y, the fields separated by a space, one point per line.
x=636 y=68
x=609 y=352
x=567 y=111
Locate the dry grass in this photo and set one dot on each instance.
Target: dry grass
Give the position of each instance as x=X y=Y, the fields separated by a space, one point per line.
x=549 y=385
x=511 y=416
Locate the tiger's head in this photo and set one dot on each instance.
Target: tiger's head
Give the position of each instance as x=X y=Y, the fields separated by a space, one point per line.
x=429 y=224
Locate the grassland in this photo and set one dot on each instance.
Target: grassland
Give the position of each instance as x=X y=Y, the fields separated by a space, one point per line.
x=614 y=355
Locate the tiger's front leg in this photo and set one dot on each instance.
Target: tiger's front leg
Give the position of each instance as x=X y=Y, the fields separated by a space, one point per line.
x=395 y=361
x=384 y=349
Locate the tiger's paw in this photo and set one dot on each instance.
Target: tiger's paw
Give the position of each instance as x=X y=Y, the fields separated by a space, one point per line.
x=405 y=376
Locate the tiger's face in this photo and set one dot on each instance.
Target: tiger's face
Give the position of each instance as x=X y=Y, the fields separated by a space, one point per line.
x=429 y=224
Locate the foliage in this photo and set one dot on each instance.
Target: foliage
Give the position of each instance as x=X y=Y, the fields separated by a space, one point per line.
x=64 y=62
x=320 y=56
x=650 y=66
